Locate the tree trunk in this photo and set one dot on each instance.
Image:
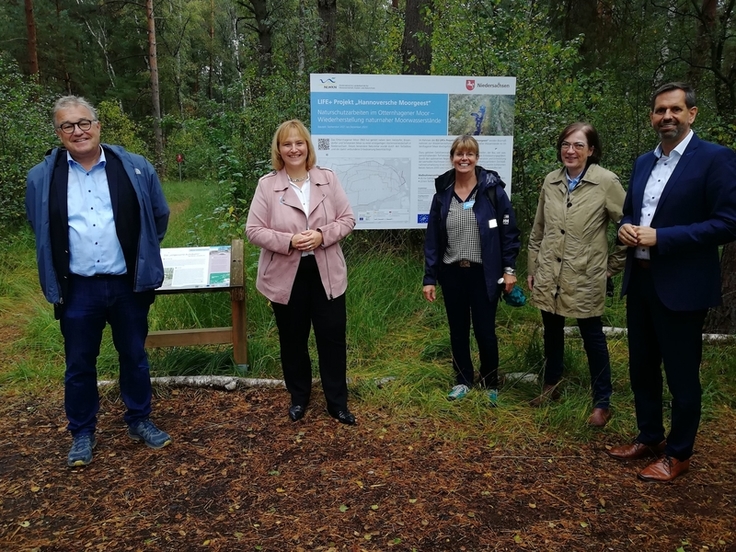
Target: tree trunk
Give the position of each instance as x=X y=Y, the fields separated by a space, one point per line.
x=32 y=41
x=701 y=54
x=327 y=40
x=261 y=21
x=212 y=49
x=155 y=94
x=416 y=47
x=723 y=319
x=265 y=38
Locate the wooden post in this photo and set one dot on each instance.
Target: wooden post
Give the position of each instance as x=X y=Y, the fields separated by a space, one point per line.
x=237 y=302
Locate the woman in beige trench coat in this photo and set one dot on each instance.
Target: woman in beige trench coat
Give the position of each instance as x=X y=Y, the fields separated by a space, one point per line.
x=569 y=260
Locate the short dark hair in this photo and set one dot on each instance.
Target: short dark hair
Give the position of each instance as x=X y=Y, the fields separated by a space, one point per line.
x=669 y=87
x=591 y=134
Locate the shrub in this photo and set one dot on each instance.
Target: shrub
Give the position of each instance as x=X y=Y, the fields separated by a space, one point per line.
x=28 y=133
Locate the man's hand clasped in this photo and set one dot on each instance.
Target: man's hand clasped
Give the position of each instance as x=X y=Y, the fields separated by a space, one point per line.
x=633 y=236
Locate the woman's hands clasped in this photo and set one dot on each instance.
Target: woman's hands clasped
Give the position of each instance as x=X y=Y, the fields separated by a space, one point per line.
x=309 y=240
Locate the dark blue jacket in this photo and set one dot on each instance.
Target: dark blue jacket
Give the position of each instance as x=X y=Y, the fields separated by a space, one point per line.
x=695 y=214
x=140 y=231
x=499 y=245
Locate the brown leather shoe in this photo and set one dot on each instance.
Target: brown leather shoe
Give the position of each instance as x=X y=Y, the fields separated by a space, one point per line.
x=599 y=417
x=635 y=450
x=549 y=393
x=664 y=469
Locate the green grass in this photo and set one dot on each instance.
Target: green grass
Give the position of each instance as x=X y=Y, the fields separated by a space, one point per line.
x=392 y=333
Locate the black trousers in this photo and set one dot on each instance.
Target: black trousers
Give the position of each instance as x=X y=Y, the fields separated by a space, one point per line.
x=658 y=335
x=466 y=297
x=596 y=348
x=310 y=306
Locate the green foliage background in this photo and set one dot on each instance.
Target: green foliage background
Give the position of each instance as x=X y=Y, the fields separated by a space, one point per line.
x=27 y=135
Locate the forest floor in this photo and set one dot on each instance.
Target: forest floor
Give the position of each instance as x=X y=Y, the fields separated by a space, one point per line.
x=240 y=476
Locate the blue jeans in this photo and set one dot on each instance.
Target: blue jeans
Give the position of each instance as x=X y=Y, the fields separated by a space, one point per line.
x=594 y=341
x=90 y=304
x=466 y=297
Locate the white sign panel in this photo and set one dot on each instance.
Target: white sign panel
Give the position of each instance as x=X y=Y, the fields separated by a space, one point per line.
x=388 y=137
x=195 y=267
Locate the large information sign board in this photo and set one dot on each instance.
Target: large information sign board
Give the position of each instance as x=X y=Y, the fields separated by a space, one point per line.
x=388 y=137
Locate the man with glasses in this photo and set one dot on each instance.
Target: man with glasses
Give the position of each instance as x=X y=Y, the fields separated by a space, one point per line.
x=680 y=206
x=99 y=215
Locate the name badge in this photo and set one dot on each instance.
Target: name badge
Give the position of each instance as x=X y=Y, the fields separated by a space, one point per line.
x=493 y=223
x=469 y=204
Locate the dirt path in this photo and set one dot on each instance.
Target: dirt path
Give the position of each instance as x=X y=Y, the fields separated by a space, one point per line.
x=241 y=476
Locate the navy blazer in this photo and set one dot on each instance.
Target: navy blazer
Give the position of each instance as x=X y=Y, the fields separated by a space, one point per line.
x=695 y=214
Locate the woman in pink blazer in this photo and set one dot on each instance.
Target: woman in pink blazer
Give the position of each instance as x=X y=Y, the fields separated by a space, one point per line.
x=298 y=216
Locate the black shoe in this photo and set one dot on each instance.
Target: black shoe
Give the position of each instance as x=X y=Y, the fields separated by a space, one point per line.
x=343 y=416
x=296 y=412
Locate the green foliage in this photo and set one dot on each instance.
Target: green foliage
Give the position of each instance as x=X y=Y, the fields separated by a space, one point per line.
x=118 y=128
x=230 y=211
x=198 y=140
x=27 y=135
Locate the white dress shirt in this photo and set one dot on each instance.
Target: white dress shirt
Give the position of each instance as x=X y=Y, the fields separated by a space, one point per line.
x=660 y=175
x=303 y=194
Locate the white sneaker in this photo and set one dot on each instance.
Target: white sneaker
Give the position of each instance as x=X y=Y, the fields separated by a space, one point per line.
x=457 y=392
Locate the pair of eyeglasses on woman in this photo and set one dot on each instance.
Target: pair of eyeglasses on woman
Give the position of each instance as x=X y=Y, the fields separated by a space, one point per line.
x=578 y=146
x=83 y=124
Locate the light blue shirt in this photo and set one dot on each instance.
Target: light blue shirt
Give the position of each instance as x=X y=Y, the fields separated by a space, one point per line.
x=572 y=182
x=94 y=247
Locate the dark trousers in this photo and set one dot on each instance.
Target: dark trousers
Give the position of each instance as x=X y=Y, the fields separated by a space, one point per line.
x=466 y=297
x=90 y=304
x=309 y=306
x=658 y=335
x=594 y=342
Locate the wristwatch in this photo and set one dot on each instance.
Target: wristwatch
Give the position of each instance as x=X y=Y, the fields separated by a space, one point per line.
x=509 y=270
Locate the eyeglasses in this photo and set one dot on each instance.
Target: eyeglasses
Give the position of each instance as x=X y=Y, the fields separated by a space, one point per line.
x=83 y=124
x=579 y=146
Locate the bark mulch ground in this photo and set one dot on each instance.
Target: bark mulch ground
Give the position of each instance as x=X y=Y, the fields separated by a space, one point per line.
x=240 y=476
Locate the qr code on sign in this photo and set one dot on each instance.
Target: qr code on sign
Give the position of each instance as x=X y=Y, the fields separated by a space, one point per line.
x=323 y=144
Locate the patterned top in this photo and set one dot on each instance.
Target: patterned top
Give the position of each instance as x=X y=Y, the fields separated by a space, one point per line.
x=463 y=235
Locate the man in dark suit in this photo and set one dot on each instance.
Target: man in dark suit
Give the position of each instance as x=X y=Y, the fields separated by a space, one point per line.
x=99 y=215
x=680 y=206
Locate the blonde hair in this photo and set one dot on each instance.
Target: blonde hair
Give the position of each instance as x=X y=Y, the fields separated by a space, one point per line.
x=464 y=143
x=283 y=132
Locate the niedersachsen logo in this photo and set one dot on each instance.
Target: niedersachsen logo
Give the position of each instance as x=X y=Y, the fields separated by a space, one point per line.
x=329 y=82
x=491 y=85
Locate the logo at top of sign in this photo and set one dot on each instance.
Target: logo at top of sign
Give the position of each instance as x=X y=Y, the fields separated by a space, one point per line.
x=470 y=84
x=331 y=80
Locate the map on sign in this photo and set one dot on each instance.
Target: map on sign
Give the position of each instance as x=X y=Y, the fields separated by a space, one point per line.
x=387 y=137
x=378 y=189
